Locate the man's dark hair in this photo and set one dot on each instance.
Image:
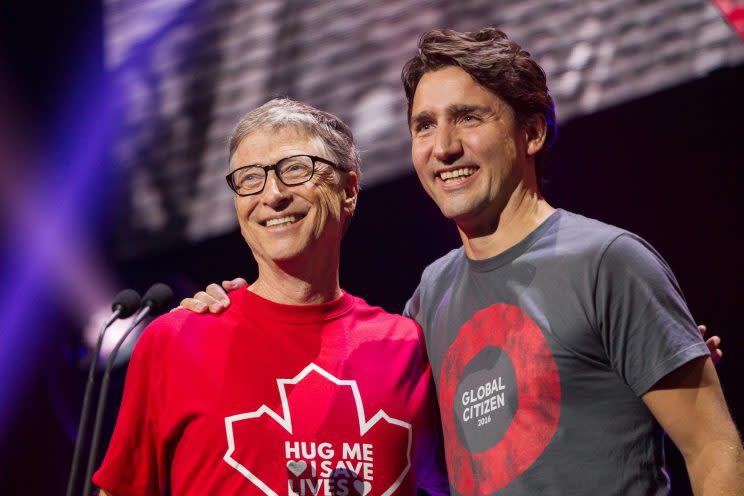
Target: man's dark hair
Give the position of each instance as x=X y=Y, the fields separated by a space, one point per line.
x=496 y=63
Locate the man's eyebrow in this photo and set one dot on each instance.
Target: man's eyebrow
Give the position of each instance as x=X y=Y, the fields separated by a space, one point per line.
x=464 y=108
x=424 y=115
x=456 y=109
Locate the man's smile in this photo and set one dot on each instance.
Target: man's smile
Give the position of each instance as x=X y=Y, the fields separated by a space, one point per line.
x=455 y=175
x=282 y=221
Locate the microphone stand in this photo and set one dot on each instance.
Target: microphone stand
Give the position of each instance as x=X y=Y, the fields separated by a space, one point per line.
x=118 y=311
x=102 y=397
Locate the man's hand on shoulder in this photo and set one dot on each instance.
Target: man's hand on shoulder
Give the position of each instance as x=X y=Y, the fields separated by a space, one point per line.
x=214 y=299
x=714 y=345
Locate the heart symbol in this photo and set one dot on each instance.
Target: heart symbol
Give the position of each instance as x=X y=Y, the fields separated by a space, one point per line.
x=362 y=487
x=296 y=467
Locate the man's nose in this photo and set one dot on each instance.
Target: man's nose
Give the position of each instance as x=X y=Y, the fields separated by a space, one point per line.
x=275 y=193
x=448 y=146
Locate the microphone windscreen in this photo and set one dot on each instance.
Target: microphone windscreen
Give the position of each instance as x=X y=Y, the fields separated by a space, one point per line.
x=128 y=301
x=157 y=296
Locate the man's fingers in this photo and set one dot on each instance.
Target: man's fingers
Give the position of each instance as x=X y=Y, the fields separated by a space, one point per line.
x=219 y=297
x=193 y=305
x=716 y=357
x=211 y=303
x=219 y=294
x=214 y=299
x=714 y=344
x=236 y=283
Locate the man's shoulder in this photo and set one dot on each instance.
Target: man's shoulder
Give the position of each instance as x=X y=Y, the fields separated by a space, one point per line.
x=578 y=234
x=433 y=280
x=444 y=265
x=592 y=228
x=369 y=311
x=164 y=330
x=589 y=232
x=379 y=318
x=180 y=326
x=619 y=254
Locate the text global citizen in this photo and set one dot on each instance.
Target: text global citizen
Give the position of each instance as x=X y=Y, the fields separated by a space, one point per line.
x=483 y=400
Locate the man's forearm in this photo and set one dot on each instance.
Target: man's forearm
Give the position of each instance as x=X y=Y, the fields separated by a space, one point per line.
x=717 y=470
x=689 y=405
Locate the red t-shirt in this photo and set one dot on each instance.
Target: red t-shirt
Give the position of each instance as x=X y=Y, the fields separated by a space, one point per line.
x=265 y=398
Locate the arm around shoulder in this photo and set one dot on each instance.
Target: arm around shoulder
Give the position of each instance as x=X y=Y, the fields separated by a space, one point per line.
x=689 y=405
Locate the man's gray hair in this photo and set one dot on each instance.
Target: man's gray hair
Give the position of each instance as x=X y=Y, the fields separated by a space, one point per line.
x=335 y=135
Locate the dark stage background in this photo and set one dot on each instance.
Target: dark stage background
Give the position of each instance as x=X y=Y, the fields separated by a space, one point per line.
x=666 y=165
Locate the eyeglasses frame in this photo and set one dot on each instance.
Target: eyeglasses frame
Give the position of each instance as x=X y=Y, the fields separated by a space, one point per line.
x=267 y=168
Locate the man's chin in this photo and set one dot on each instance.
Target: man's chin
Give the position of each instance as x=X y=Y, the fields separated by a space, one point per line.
x=289 y=256
x=455 y=212
x=279 y=250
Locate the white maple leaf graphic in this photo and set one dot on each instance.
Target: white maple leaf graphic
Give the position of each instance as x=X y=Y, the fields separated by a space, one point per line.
x=285 y=421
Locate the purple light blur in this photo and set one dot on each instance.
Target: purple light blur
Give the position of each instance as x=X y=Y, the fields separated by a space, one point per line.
x=53 y=216
x=50 y=225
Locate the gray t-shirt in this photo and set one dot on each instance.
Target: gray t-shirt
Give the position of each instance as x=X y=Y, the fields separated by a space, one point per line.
x=541 y=354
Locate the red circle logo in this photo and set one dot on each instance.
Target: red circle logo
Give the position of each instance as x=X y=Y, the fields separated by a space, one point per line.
x=536 y=394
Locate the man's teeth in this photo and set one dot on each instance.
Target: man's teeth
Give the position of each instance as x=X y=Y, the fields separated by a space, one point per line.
x=453 y=174
x=290 y=219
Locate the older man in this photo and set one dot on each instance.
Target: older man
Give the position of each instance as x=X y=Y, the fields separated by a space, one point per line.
x=284 y=393
x=562 y=346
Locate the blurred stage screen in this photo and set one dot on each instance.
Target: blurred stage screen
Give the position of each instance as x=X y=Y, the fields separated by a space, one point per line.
x=187 y=70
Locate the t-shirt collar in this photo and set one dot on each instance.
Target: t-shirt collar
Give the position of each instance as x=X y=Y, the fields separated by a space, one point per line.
x=257 y=306
x=515 y=251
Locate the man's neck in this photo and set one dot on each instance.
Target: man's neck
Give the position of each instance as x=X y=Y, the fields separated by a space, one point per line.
x=525 y=210
x=302 y=283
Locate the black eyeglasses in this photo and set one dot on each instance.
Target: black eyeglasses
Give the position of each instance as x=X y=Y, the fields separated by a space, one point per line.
x=291 y=171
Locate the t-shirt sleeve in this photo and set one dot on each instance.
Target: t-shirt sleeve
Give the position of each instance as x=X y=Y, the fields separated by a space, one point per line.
x=410 y=310
x=437 y=274
x=643 y=320
x=134 y=463
x=413 y=309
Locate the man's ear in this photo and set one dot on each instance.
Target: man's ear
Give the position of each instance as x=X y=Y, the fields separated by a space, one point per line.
x=351 y=192
x=536 y=130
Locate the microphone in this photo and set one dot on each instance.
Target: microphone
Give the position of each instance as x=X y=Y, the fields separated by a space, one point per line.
x=125 y=304
x=157 y=296
x=154 y=299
